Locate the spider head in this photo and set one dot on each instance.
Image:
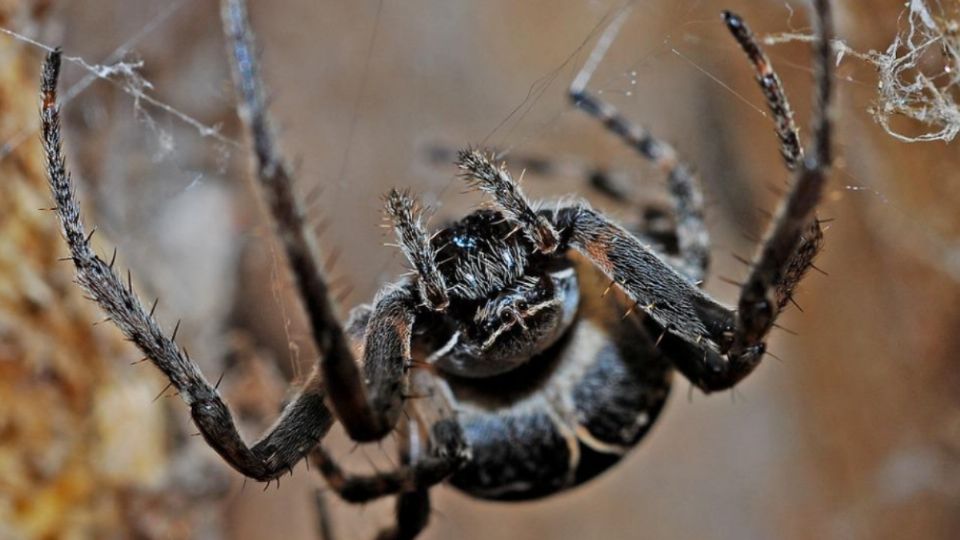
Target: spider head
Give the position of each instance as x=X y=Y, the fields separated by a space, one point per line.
x=492 y=289
x=508 y=300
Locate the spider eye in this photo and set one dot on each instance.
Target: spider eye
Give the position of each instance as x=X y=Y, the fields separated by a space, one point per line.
x=522 y=305
x=507 y=316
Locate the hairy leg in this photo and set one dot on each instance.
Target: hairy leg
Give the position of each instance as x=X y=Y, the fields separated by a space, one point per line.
x=406 y=214
x=303 y=422
x=772 y=89
x=690 y=327
x=794 y=237
x=347 y=393
x=811 y=239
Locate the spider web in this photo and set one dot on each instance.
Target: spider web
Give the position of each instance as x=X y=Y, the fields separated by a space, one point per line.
x=918 y=74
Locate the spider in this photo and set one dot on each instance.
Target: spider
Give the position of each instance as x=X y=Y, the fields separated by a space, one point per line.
x=536 y=380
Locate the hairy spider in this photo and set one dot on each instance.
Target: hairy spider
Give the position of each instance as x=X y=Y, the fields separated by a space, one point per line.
x=538 y=381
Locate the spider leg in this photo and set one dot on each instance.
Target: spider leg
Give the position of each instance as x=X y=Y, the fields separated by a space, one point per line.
x=413 y=514
x=682 y=182
x=387 y=357
x=407 y=216
x=695 y=331
x=794 y=236
x=350 y=398
x=481 y=174
x=303 y=422
x=412 y=508
x=689 y=326
x=773 y=92
x=790 y=148
x=423 y=472
x=428 y=456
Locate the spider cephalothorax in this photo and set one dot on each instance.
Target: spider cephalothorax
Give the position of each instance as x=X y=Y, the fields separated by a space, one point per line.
x=509 y=362
x=506 y=300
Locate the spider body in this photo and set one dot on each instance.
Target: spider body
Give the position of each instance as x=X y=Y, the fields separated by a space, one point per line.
x=548 y=391
x=531 y=348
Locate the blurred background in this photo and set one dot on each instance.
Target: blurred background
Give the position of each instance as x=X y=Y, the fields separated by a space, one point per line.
x=853 y=433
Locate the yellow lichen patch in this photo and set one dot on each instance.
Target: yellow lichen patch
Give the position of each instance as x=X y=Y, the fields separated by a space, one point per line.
x=131 y=445
x=80 y=436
